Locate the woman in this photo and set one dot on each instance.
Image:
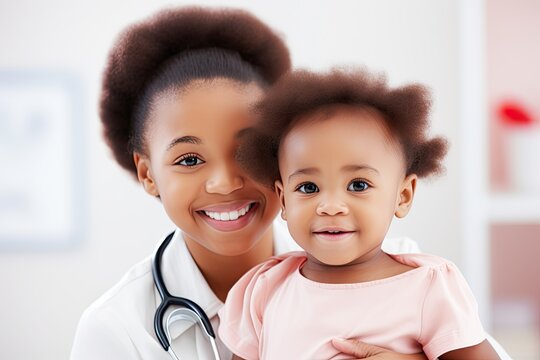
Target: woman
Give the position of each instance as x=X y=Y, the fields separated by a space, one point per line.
x=177 y=91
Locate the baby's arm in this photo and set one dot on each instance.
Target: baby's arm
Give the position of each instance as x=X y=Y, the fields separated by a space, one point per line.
x=451 y=327
x=482 y=351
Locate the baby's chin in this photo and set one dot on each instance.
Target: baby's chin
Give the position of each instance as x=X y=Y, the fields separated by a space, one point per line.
x=334 y=259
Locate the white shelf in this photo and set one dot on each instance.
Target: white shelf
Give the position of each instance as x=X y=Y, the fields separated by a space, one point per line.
x=514 y=208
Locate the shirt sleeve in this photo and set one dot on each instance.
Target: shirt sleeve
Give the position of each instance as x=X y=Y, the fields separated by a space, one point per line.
x=99 y=336
x=241 y=318
x=450 y=318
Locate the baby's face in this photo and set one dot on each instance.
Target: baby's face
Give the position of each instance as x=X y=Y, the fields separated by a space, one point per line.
x=343 y=180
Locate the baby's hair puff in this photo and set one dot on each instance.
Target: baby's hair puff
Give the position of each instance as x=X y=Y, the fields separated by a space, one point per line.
x=298 y=94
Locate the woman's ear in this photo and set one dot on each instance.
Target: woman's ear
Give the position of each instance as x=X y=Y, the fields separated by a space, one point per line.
x=278 y=186
x=145 y=174
x=406 y=195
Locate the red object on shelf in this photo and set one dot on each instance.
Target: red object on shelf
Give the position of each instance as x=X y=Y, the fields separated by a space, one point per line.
x=512 y=113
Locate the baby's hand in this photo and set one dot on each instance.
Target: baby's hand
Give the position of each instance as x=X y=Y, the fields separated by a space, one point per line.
x=366 y=351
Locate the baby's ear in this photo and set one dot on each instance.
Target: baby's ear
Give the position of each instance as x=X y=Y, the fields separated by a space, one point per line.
x=278 y=186
x=406 y=195
x=145 y=174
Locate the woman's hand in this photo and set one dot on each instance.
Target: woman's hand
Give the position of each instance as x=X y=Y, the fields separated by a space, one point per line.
x=366 y=351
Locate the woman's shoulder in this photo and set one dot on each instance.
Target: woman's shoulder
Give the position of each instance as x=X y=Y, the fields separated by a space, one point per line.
x=105 y=325
x=134 y=286
x=129 y=295
x=400 y=245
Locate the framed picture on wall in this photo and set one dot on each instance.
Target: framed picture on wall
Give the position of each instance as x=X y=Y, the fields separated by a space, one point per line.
x=41 y=155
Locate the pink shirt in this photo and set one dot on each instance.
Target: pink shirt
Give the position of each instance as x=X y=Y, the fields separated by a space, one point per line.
x=273 y=312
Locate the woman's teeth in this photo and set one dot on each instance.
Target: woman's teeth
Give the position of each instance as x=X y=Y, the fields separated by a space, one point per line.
x=228 y=216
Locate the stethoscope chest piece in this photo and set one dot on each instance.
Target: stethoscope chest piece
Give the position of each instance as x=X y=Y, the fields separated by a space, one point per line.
x=187 y=315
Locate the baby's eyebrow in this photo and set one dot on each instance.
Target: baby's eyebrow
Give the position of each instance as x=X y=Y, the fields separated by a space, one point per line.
x=352 y=168
x=184 y=139
x=306 y=171
x=347 y=168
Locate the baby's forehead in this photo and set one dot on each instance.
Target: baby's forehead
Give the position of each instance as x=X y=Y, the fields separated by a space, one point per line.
x=350 y=123
x=358 y=116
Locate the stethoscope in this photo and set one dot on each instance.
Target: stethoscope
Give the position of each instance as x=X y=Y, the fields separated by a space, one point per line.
x=188 y=310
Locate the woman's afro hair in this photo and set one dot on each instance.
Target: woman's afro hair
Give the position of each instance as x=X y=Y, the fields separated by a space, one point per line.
x=143 y=47
x=301 y=93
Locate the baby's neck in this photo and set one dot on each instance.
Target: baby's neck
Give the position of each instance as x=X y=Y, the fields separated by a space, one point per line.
x=374 y=265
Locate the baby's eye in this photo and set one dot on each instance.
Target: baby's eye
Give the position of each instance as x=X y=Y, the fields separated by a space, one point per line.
x=308 y=188
x=190 y=161
x=358 y=185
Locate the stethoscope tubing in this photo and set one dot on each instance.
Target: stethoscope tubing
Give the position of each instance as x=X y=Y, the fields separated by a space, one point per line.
x=170 y=300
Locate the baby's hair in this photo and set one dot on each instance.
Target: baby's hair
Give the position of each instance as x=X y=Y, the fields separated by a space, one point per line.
x=173 y=48
x=301 y=93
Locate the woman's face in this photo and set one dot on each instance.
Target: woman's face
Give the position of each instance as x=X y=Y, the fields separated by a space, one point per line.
x=191 y=141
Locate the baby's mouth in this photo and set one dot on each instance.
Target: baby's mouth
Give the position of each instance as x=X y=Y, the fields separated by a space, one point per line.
x=333 y=233
x=332 y=230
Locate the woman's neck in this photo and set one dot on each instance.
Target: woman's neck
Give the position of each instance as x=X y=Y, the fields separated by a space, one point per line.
x=222 y=272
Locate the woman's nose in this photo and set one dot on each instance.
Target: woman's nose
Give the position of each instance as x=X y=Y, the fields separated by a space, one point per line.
x=332 y=205
x=225 y=180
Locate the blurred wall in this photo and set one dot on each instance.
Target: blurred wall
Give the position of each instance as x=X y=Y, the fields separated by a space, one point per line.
x=44 y=292
x=512 y=73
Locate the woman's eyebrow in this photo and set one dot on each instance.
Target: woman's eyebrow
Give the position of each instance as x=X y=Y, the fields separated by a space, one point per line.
x=241 y=132
x=184 y=139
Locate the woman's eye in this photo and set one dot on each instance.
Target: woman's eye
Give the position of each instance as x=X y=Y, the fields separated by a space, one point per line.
x=190 y=161
x=308 y=188
x=358 y=185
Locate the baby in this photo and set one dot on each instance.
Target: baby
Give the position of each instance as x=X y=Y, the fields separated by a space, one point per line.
x=344 y=152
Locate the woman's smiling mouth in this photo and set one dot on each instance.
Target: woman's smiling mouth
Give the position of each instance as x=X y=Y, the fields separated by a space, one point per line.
x=229 y=217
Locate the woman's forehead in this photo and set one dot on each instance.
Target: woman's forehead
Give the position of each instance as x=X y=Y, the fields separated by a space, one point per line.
x=203 y=97
x=204 y=109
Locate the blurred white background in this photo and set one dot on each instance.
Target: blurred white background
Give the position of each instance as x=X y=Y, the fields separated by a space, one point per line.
x=44 y=289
